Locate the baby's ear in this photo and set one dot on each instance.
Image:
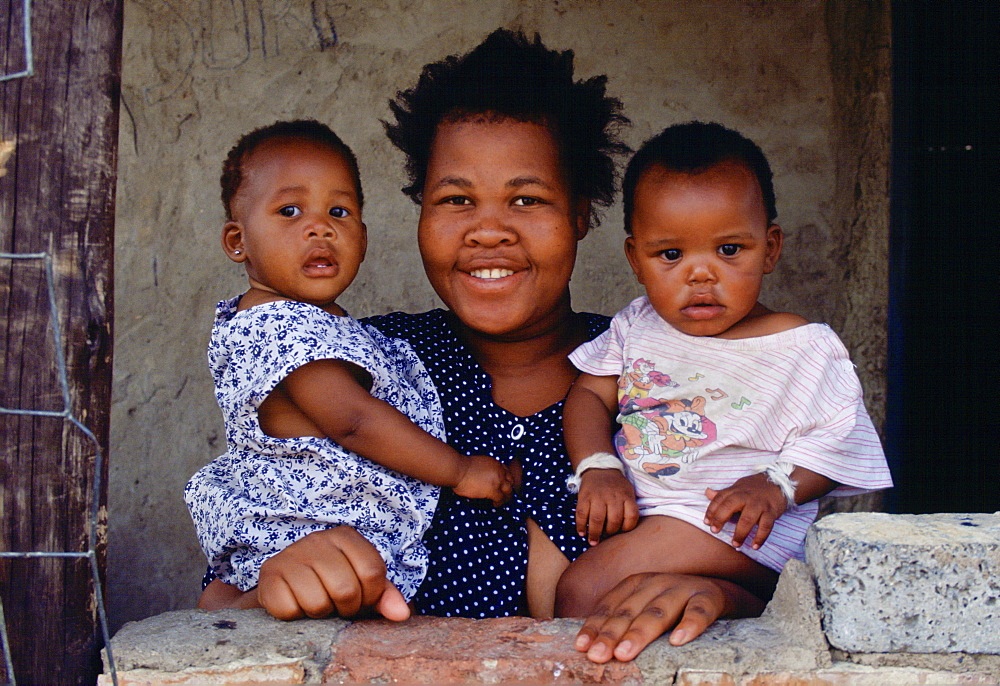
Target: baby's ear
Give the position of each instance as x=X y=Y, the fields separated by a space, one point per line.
x=775 y=239
x=232 y=241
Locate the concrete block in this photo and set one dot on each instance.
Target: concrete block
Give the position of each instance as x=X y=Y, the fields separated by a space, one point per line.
x=227 y=646
x=987 y=666
x=908 y=583
x=838 y=675
x=239 y=673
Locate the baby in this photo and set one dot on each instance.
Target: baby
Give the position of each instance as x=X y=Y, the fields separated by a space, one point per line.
x=328 y=422
x=731 y=419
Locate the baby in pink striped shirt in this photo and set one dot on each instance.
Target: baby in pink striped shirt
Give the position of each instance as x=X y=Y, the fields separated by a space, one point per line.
x=704 y=426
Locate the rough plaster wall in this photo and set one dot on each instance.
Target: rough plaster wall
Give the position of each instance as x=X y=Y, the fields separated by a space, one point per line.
x=198 y=73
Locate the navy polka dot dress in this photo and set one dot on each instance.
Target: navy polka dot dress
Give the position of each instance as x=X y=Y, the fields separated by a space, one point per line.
x=478 y=553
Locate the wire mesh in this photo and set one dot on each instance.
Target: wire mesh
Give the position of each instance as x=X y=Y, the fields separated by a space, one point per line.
x=66 y=414
x=29 y=66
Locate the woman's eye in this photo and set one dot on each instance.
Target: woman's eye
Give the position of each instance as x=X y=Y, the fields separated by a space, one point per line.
x=456 y=200
x=525 y=201
x=729 y=249
x=289 y=211
x=339 y=212
x=671 y=255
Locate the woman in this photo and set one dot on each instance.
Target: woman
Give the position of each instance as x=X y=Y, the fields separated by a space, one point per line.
x=508 y=157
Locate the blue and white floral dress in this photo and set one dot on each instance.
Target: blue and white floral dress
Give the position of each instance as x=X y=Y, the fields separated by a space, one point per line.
x=266 y=493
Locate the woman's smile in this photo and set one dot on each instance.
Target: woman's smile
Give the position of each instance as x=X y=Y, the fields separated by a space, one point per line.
x=491 y=274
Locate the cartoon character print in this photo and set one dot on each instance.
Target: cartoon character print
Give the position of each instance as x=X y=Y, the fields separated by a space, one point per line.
x=661 y=439
x=634 y=386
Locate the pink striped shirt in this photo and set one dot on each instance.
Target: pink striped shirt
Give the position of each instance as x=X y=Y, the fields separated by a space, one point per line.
x=701 y=412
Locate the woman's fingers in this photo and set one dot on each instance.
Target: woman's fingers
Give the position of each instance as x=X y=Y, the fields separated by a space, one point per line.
x=392 y=605
x=643 y=607
x=332 y=571
x=365 y=586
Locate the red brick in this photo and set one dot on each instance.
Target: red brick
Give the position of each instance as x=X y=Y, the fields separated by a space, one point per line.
x=430 y=650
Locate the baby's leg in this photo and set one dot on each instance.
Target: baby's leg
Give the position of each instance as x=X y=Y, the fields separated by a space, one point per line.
x=658 y=544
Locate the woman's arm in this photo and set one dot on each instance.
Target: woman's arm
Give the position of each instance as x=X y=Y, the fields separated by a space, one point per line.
x=644 y=606
x=330 y=393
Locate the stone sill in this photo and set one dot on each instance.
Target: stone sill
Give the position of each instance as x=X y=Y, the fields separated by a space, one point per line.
x=786 y=645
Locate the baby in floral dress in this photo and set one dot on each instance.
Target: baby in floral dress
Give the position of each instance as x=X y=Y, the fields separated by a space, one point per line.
x=328 y=422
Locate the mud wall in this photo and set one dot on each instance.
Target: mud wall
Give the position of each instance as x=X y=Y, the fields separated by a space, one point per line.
x=807 y=79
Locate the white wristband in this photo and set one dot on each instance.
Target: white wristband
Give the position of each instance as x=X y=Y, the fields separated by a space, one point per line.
x=595 y=461
x=779 y=474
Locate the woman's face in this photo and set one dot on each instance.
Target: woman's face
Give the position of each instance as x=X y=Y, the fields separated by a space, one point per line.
x=498 y=226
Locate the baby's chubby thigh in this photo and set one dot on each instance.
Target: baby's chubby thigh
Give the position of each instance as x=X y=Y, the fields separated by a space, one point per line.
x=659 y=544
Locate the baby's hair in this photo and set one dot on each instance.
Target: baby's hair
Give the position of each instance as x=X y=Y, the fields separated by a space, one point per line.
x=307 y=129
x=692 y=148
x=510 y=77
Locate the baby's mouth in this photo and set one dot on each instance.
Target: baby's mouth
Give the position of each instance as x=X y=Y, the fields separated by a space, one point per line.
x=320 y=264
x=702 y=310
x=491 y=274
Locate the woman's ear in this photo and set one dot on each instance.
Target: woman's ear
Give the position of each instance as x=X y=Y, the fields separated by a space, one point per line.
x=232 y=241
x=582 y=218
x=774 y=240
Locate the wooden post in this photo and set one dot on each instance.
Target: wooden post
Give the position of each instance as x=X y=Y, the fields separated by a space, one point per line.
x=57 y=196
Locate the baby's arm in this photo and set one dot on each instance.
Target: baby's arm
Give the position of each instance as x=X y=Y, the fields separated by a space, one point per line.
x=759 y=502
x=333 y=395
x=606 y=502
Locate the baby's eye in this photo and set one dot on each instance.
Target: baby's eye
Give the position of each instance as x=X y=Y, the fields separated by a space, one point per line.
x=671 y=254
x=289 y=211
x=339 y=212
x=729 y=249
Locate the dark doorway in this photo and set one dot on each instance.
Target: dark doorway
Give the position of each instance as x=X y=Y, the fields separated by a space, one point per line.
x=942 y=428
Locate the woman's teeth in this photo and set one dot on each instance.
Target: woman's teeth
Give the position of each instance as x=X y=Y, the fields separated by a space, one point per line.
x=491 y=273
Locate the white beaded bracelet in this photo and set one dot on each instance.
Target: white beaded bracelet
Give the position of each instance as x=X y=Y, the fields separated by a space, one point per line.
x=595 y=461
x=779 y=474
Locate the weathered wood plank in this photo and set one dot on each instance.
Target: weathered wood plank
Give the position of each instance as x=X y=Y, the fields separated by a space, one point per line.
x=58 y=197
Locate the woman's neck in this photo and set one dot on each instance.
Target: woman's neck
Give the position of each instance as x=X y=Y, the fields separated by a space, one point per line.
x=530 y=371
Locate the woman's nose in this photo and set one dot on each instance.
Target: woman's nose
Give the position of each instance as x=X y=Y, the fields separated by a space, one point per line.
x=489 y=228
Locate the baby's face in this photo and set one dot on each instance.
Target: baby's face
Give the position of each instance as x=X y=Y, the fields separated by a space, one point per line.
x=701 y=245
x=297 y=222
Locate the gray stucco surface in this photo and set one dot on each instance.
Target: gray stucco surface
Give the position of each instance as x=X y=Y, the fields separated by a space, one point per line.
x=807 y=79
x=908 y=583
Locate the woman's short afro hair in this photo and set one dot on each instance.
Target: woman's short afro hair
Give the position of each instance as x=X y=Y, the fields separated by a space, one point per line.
x=508 y=76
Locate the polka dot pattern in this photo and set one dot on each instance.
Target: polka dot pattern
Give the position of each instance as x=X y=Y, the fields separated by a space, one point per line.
x=479 y=554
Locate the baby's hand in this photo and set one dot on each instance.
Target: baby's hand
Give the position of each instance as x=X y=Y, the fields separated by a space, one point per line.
x=605 y=505
x=757 y=500
x=486 y=478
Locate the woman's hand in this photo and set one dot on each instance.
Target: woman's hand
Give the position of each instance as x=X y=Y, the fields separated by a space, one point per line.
x=605 y=505
x=643 y=606
x=757 y=500
x=485 y=478
x=335 y=571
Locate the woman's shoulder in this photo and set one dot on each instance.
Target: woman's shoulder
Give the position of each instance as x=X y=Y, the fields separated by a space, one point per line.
x=405 y=324
x=596 y=324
